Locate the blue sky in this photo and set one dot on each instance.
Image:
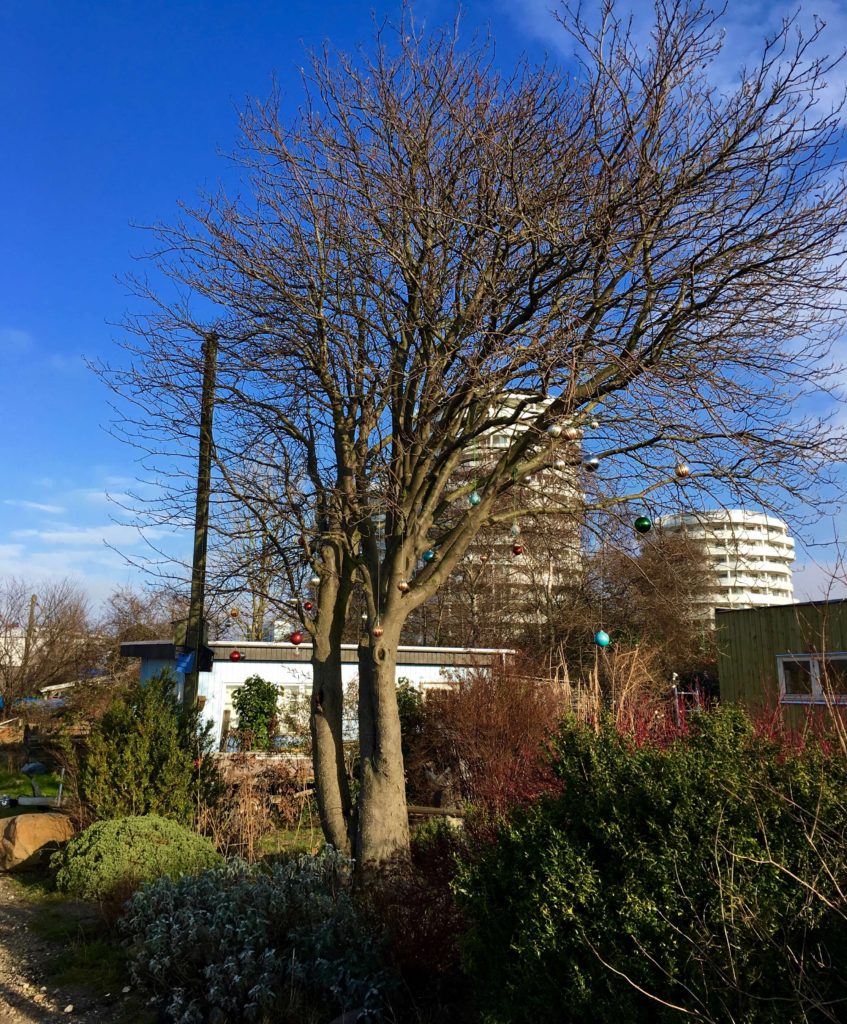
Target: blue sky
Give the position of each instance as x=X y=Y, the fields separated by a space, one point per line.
x=111 y=111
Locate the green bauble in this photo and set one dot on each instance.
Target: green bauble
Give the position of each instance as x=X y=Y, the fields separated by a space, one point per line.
x=643 y=525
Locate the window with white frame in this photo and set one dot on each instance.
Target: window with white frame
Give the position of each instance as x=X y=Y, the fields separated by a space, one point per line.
x=812 y=678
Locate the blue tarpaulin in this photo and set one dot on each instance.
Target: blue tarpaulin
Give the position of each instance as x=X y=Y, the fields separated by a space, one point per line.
x=185 y=662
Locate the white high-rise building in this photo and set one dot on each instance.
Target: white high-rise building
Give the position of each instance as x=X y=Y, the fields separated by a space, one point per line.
x=551 y=500
x=751 y=553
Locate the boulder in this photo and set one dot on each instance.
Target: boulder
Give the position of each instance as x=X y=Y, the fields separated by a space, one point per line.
x=26 y=840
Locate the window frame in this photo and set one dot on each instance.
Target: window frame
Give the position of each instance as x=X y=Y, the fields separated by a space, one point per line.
x=817 y=696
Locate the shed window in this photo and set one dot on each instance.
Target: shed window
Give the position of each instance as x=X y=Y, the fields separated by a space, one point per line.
x=812 y=679
x=797 y=677
x=833 y=672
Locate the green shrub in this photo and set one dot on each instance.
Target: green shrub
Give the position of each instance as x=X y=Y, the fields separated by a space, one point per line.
x=255 y=704
x=148 y=755
x=710 y=876
x=410 y=708
x=245 y=943
x=110 y=859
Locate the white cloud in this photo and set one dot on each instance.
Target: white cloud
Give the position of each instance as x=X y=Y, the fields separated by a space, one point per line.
x=10 y=552
x=745 y=26
x=15 y=341
x=64 y=364
x=116 y=534
x=35 y=506
x=97 y=571
x=819 y=581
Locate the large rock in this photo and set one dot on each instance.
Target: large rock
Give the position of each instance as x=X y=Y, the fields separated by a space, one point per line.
x=26 y=840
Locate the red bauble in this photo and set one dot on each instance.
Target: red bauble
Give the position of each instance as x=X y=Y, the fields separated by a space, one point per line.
x=517 y=549
x=296 y=637
x=235 y=655
x=308 y=606
x=403 y=587
x=378 y=631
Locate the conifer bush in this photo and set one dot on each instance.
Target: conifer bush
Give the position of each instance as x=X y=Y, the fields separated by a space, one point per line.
x=706 y=878
x=110 y=859
x=148 y=755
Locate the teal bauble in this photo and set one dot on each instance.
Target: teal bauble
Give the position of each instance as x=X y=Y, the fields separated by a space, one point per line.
x=602 y=638
x=643 y=525
x=474 y=499
x=428 y=555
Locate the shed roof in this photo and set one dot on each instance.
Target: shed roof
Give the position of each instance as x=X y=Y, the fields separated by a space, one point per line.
x=252 y=650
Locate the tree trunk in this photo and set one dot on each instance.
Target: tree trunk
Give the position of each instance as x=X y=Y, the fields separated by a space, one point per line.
x=382 y=834
x=326 y=722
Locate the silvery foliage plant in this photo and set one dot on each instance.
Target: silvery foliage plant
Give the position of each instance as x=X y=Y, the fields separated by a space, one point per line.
x=235 y=942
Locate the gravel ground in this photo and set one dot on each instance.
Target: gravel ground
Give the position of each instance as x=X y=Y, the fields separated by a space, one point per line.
x=27 y=995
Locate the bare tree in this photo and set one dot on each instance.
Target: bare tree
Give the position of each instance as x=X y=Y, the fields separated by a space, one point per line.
x=431 y=254
x=654 y=595
x=45 y=638
x=130 y=614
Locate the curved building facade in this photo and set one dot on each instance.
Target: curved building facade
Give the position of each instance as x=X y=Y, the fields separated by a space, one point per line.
x=751 y=553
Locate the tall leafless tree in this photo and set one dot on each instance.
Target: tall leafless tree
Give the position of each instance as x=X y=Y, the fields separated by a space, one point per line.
x=431 y=253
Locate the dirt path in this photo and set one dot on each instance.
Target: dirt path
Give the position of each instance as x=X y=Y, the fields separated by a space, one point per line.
x=27 y=993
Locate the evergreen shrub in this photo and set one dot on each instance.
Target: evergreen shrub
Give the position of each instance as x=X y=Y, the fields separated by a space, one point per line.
x=247 y=943
x=706 y=879
x=148 y=755
x=112 y=858
x=255 y=704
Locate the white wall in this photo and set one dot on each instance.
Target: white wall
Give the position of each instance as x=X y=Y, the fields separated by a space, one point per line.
x=218 y=685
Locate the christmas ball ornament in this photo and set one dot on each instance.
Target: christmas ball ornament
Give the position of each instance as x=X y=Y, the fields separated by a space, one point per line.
x=428 y=555
x=235 y=655
x=517 y=549
x=378 y=631
x=516 y=530
x=602 y=638
x=474 y=499
x=591 y=465
x=594 y=424
x=308 y=606
x=234 y=613
x=554 y=430
x=315 y=581
x=296 y=638
x=572 y=433
x=682 y=471
x=643 y=525
x=403 y=587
